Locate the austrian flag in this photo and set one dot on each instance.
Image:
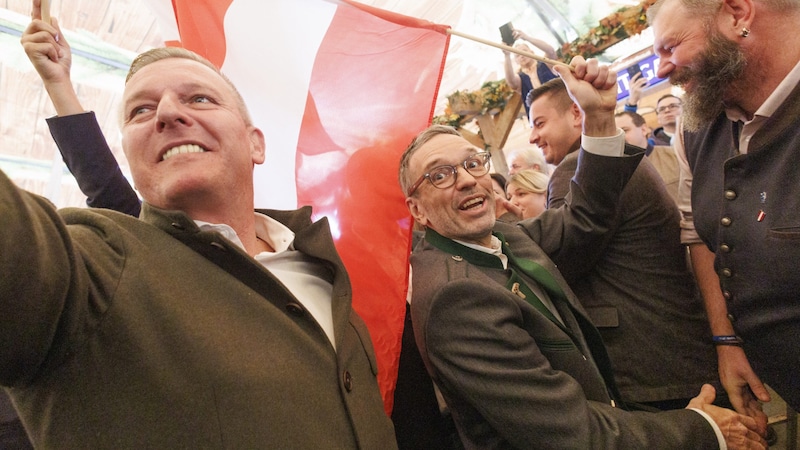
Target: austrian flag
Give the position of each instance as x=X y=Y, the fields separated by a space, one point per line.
x=339 y=89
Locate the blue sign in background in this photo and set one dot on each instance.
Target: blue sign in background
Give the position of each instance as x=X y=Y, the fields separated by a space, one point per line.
x=649 y=68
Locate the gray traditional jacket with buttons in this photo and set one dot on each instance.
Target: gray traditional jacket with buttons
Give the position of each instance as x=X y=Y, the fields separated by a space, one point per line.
x=746 y=208
x=115 y=334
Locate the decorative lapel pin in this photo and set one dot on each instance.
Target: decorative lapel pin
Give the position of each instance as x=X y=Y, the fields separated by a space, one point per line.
x=457 y=258
x=516 y=290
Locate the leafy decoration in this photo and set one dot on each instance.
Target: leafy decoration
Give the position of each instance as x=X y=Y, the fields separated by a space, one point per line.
x=619 y=25
x=464 y=105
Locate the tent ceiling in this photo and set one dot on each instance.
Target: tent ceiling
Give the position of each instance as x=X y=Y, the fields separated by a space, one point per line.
x=127 y=27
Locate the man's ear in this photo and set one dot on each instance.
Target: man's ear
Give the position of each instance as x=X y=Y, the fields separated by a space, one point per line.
x=416 y=211
x=576 y=115
x=257 y=145
x=738 y=15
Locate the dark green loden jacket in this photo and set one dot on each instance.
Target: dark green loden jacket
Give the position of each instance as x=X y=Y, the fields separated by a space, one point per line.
x=114 y=334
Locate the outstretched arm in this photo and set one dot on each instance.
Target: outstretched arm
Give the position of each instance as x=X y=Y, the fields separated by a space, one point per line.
x=77 y=134
x=512 y=77
x=548 y=50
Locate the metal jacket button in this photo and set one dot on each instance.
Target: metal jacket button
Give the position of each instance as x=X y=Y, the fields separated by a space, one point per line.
x=348 y=380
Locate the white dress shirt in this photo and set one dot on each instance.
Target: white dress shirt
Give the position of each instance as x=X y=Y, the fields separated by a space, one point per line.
x=302 y=275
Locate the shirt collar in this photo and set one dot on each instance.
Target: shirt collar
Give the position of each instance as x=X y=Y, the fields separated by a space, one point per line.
x=775 y=99
x=276 y=234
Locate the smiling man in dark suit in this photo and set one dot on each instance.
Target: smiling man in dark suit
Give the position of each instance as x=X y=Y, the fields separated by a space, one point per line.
x=500 y=332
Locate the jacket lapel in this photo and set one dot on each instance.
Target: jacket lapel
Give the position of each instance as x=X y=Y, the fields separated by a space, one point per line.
x=315 y=240
x=233 y=260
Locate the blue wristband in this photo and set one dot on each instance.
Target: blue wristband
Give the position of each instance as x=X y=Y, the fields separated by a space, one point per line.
x=727 y=340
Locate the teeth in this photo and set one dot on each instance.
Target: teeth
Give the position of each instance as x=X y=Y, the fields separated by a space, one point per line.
x=472 y=203
x=190 y=148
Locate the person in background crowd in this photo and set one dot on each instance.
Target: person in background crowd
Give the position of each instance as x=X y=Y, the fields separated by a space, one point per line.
x=668 y=109
x=662 y=157
x=738 y=62
x=500 y=331
x=526 y=158
x=637 y=289
x=527 y=190
x=636 y=85
x=101 y=346
x=531 y=73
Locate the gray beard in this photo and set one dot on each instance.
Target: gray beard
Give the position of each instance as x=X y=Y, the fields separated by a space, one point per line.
x=720 y=71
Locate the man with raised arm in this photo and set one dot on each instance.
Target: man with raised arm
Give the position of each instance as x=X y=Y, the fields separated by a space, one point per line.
x=202 y=324
x=501 y=333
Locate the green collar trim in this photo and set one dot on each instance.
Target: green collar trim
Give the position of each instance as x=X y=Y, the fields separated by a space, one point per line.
x=515 y=284
x=472 y=256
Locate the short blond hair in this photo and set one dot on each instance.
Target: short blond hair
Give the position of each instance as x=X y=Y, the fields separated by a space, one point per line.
x=530 y=180
x=157 y=54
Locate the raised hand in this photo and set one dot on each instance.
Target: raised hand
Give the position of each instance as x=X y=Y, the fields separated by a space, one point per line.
x=51 y=56
x=593 y=87
x=637 y=85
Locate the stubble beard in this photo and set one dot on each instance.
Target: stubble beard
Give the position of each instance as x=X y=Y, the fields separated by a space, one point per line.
x=720 y=71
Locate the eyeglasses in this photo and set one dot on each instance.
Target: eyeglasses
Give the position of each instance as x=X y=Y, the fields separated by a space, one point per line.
x=443 y=177
x=666 y=108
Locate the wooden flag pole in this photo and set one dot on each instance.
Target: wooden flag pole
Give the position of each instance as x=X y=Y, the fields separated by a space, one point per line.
x=549 y=61
x=45 y=8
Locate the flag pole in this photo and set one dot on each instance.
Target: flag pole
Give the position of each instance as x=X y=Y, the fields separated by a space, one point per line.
x=45 y=9
x=504 y=47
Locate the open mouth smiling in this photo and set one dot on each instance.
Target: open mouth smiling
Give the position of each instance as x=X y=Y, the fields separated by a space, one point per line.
x=472 y=203
x=186 y=148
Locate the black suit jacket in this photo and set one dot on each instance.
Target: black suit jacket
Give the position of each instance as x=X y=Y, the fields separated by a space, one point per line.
x=640 y=293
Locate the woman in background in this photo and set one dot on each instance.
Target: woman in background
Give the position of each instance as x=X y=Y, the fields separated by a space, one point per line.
x=527 y=191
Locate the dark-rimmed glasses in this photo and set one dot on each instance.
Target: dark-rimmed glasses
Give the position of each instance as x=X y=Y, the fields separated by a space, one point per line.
x=665 y=108
x=443 y=177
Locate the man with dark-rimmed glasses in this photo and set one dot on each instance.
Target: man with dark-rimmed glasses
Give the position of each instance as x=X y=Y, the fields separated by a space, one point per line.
x=500 y=332
x=668 y=109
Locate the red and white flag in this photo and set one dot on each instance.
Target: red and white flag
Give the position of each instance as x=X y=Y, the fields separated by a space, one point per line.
x=339 y=89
